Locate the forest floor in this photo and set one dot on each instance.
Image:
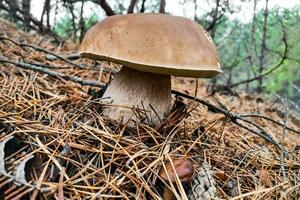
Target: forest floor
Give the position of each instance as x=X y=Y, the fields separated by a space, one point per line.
x=55 y=144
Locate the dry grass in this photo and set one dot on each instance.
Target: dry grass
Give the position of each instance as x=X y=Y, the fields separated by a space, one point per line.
x=79 y=154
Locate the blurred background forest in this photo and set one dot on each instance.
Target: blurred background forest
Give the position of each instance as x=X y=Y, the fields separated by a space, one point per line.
x=258 y=40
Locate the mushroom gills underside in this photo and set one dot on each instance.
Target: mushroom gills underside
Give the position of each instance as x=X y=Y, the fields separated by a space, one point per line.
x=138 y=95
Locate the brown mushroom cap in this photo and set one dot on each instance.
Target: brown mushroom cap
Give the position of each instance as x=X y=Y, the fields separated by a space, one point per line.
x=155 y=43
x=183 y=167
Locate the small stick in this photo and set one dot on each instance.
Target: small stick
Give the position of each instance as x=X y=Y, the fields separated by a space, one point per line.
x=69 y=56
x=50 y=52
x=37 y=48
x=234 y=118
x=196 y=87
x=269 y=119
x=285 y=119
x=20 y=195
x=53 y=73
x=61 y=185
x=17 y=192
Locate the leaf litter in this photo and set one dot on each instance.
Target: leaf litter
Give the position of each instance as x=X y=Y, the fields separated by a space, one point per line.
x=67 y=149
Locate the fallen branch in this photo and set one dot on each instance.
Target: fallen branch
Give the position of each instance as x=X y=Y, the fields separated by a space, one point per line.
x=269 y=119
x=234 y=118
x=47 y=66
x=37 y=48
x=53 y=56
x=73 y=56
x=67 y=77
x=51 y=53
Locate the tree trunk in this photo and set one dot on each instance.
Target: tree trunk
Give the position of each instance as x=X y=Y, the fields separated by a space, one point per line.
x=106 y=7
x=195 y=10
x=46 y=10
x=263 y=48
x=26 y=14
x=143 y=6
x=162 y=7
x=70 y=6
x=212 y=26
x=131 y=6
x=13 y=8
x=251 y=43
x=81 y=23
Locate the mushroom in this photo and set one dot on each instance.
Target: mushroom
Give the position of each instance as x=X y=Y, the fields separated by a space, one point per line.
x=183 y=169
x=151 y=48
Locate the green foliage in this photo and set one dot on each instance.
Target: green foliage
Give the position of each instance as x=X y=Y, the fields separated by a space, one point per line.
x=233 y=39
x=64 y=27
x=283 y=78
x=92 y=20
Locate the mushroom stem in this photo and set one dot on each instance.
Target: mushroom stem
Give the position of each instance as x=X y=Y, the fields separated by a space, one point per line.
x=133 y=88
x=168 y=194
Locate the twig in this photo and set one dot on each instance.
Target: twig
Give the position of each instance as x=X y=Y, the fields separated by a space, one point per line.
x=269 y=119
x=234 y=118
x=294 y=105
x=285 y=119
x=47 y=66
x=296 y=88
x=37 y=48
x=10 y=40
x=53 y=73
x=50 y=52
x=196 y=87
x=72 y=56
x=52 y=56
x=61 y=185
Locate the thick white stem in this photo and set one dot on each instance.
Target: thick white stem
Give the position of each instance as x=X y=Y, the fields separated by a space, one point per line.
x=132 y=88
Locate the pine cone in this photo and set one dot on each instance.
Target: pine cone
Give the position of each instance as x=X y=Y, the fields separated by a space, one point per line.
x=203 y=185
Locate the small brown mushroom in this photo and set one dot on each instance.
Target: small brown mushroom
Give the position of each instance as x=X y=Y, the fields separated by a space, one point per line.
x=184 y=170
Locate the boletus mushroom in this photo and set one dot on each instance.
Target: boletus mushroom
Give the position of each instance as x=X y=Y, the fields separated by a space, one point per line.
x=151 y=48
x=183 y=168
